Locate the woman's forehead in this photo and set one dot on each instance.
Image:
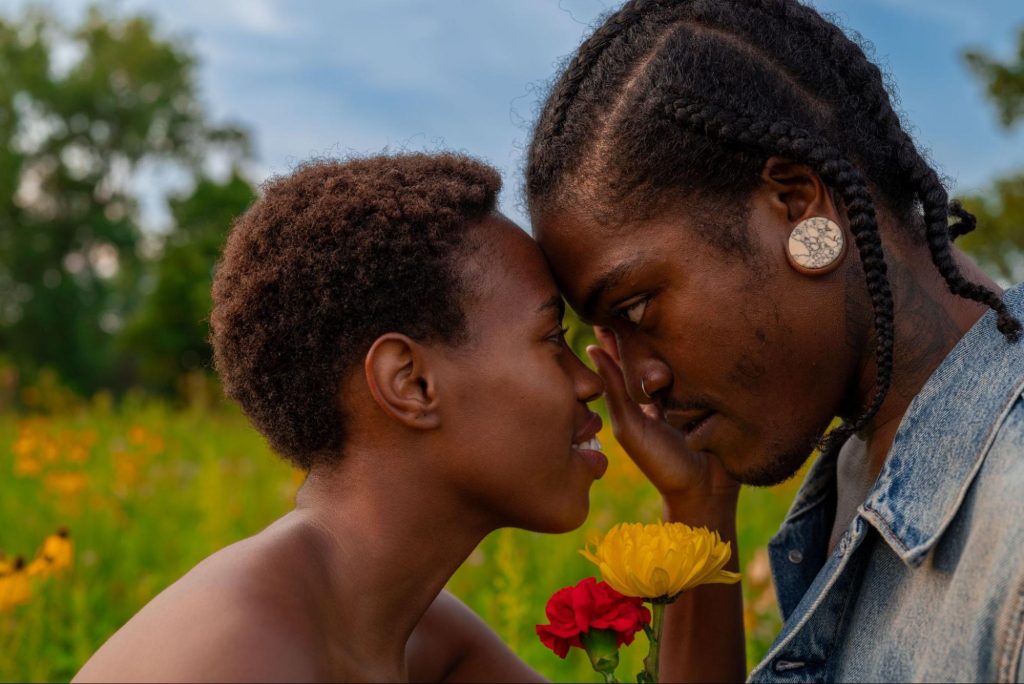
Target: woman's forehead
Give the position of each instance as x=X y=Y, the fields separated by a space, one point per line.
x=515 y=279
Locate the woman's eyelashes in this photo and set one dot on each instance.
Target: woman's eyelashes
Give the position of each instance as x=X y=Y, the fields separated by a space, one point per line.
x=558 y=336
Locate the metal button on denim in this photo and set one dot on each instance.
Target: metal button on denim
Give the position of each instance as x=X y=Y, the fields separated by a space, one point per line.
x=795 y=556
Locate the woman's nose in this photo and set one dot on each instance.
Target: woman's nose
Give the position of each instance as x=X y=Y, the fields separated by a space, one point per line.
x=589 y=385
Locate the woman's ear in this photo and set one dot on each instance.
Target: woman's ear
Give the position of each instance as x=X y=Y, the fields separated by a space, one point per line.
x=401 y=382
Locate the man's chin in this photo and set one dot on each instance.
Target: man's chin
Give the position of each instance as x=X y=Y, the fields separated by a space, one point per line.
x=770 y=470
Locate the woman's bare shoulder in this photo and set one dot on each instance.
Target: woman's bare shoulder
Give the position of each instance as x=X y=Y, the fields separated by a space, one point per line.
x=234 y=616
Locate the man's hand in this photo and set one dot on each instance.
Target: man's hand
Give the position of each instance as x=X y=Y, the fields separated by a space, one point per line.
x=703 y=639
x=656 y=447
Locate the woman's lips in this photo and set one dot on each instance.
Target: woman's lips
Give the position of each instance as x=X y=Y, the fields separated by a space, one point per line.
x=591 y=426
x=586 y=446
x=597 y=461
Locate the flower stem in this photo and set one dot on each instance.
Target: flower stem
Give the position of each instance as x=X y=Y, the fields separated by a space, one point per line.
x=651 y=661
x=609 y=678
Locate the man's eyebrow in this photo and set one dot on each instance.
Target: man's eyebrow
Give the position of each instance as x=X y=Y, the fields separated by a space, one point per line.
x=555 y=302
x=605 y=282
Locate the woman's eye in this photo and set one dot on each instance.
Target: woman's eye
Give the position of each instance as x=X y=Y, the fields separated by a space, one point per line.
x=559 y=337
x=634 y=313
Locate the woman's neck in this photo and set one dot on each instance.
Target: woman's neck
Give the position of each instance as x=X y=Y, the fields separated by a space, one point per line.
x=386 y=540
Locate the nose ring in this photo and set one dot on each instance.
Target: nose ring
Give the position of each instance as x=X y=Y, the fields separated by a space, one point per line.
x=644 y=389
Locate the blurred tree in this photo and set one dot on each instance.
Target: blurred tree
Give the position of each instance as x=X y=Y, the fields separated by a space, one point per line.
x=999 y=241
x=168 y=337
x=1004 y=81
x=82 y=109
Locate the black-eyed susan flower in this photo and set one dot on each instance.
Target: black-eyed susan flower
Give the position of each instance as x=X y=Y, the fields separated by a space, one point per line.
x=54 y=556
x=15 y=588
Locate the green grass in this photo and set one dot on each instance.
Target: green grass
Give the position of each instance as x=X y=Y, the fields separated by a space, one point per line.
x=147 y=492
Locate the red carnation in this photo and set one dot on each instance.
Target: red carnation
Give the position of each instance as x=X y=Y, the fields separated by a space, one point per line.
x=574 y=611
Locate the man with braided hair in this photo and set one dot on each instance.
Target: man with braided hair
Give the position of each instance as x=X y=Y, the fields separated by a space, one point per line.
x=724 y=189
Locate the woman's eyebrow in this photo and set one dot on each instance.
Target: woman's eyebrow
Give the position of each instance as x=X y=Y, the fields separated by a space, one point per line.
x=556 y=303
x=605 y=282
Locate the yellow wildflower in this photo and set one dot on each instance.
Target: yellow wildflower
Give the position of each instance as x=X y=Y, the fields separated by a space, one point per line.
x=661 y=561
x=26 y=465
x=50 y=451
x=137 y=435
x=14 y=587
x=66 y=483
x=78 y=453
x=54 y=556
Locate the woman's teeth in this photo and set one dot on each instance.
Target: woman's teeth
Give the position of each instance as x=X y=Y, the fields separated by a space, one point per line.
x=591 y=444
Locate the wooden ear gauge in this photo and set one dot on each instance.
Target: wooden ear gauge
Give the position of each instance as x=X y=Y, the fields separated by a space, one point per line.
x=816 y=245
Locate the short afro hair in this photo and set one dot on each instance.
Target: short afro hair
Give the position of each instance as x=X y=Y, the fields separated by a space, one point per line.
x=327 y=260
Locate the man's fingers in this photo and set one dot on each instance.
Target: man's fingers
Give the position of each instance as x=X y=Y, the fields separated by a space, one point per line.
x=606 y=338
x=624 y=411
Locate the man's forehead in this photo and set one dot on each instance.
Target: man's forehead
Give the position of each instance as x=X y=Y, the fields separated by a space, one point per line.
x=587 y=273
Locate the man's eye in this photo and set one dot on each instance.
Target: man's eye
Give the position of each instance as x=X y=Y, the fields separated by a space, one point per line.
x=634 y=313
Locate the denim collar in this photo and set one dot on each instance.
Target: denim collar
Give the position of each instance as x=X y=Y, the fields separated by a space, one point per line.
x=956 y=414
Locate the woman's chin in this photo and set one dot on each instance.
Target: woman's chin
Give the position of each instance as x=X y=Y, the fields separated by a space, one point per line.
x=565 y=519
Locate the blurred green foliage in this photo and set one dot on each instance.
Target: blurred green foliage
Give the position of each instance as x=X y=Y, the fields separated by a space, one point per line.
x=1004 y=80
x=999 y=240
x=168 y=336
x=83 y=110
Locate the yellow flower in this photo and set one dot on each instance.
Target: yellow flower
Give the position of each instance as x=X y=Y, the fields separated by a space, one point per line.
x=15 y=588
x=54 y=556
x=661 y=561
x=66 y=483
x=137 y=435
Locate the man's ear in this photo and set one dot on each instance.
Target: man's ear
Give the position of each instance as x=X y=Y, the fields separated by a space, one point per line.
x=401 y=382
x=797 y=191
x=808 y=225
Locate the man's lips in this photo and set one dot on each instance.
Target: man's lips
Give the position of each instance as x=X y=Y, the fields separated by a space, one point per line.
x=687 y=421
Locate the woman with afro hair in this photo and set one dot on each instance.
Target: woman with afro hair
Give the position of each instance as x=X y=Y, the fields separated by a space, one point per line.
x=389 y=332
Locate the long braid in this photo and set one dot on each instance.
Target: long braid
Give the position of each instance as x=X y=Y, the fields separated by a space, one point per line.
x=785 y=138
x=935 y=202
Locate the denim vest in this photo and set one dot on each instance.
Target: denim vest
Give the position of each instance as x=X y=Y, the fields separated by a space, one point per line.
x=927 y=582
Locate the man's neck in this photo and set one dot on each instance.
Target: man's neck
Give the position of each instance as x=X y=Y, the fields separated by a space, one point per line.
x=929 y=321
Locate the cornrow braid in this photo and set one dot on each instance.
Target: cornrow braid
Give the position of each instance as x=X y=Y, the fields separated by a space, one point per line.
x=785 y=138
x=589 y=52
x=564 y=94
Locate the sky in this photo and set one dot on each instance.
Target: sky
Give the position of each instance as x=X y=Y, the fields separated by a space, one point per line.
x=340 y=77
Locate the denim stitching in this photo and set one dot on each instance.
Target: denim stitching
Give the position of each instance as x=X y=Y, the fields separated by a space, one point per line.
x=1010 y=660
x=809 y=613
